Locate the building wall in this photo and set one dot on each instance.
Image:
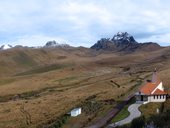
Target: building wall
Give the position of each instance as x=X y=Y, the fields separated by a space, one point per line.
x=157 y=98
x=76 y=112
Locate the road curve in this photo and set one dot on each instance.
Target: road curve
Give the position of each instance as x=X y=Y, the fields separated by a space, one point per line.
x=112 y=113
x=134 y=113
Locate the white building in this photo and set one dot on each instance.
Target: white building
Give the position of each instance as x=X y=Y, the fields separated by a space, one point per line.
x=152 y=91
x=75 y=112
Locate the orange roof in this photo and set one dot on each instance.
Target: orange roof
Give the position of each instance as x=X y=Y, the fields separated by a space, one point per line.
x=158 y=92
x=148 y=88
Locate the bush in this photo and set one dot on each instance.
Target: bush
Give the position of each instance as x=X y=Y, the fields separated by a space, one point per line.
x=56 y=125
x=138 y=122
x=64 y=120
x=162 y=107
x=60 y=124
x=124 y=126
x=162 y=120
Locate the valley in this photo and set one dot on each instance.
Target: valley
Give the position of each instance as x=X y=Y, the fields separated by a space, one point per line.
x=39 y=86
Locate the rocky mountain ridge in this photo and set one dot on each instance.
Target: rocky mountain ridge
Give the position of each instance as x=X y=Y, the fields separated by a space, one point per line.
x=122 y=41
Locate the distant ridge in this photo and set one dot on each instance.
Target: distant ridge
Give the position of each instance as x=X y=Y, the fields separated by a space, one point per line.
x=49 y=44
x=54 y=44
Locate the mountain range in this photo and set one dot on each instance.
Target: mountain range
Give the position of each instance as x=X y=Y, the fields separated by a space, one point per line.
x=121 y=42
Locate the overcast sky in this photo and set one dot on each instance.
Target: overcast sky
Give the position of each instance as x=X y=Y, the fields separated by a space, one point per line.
x=82 y=22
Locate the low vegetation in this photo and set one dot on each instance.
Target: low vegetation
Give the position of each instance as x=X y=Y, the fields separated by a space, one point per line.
x=51 y=82
x=42 y=69
x=56 y=124
x=123 y=113
x=23 y=59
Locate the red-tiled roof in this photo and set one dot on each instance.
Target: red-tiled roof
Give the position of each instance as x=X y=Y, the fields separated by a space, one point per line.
x=148 y=88
x=158 y=92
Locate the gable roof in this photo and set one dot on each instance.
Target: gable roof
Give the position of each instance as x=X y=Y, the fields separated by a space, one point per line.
x=158 y=92
x=149 y=87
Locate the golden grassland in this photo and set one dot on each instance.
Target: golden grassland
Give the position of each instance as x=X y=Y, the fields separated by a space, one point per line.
x=38 y=86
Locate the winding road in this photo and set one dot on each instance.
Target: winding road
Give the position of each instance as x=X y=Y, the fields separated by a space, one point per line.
x=111 y=114
x=134 y=113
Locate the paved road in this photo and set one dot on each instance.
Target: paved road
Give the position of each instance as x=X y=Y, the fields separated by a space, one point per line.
x=112 y=113
x=134 y=113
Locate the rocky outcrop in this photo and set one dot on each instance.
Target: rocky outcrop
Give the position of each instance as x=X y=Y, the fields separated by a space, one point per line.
x=54 y=44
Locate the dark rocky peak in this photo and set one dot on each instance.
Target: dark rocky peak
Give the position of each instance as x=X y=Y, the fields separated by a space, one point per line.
x=124 y=42
x=51 y=44
x=104 y=44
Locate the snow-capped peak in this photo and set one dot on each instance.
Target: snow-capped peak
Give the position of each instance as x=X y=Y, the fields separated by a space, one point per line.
x=123 y=36
x=5 y=47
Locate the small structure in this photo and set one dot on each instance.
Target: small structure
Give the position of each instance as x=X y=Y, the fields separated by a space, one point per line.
x=152 y=91
x=75 y=112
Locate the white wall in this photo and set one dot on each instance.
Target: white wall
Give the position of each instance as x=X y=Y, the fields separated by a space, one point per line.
x=79 y=110
x=76 y=112
x=151 y=98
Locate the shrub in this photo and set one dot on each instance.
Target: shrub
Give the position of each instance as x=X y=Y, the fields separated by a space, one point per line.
x=138 y=122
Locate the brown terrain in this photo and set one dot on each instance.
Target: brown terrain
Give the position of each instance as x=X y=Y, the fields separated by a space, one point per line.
x=39 y=86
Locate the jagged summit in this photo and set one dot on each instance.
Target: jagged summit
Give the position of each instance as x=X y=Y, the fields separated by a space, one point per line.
x=123 y=37
x=123 y=41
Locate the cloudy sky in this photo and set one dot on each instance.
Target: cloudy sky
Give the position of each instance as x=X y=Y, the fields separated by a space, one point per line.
x=82 y=22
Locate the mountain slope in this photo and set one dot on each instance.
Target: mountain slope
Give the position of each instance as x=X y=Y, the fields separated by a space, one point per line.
x=39 y=83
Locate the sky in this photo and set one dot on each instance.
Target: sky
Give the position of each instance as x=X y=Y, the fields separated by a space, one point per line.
x=82 y=22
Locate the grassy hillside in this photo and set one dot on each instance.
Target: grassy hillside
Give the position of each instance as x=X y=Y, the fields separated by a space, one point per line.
x=39 y=86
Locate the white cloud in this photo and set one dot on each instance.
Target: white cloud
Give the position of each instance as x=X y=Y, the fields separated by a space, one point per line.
x=36 y=40
x=164 y=39
x=82 y=22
